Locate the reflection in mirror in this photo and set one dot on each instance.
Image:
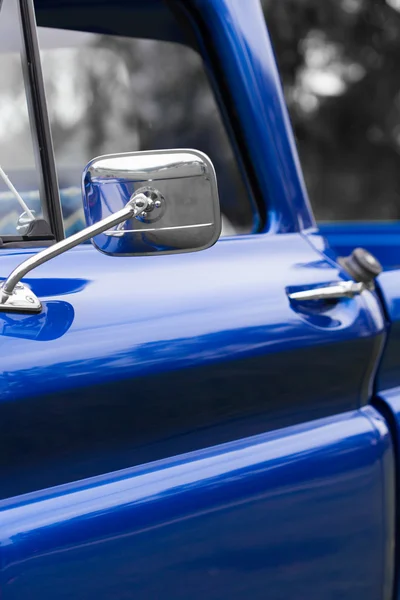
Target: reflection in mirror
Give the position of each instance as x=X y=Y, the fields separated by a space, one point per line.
x=183 y=211
x=52 y=323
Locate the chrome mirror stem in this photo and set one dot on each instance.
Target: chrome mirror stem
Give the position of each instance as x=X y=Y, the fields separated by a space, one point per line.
x=18 y=298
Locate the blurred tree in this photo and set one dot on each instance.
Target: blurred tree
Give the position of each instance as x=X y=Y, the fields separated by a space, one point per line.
x=339 y=64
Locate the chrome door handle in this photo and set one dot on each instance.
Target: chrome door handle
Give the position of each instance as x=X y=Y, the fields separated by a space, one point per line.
x=343 y=289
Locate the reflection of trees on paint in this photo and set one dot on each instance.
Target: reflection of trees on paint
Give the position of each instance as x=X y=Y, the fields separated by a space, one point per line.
x=339 y=62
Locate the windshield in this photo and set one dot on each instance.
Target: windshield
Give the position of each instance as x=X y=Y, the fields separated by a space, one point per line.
x=19 y=182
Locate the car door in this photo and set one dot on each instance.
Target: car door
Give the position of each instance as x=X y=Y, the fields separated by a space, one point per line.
x=176 y=426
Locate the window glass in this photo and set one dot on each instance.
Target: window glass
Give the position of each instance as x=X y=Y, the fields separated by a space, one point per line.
x=339 y=64
x=19 y=182
x=109 y=94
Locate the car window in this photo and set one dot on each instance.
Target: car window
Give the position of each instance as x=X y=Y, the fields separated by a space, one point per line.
x=109 y=94
x=19 y=181
x=339 y=65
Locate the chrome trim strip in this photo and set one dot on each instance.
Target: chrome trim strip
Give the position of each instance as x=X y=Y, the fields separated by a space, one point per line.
x=119 y=232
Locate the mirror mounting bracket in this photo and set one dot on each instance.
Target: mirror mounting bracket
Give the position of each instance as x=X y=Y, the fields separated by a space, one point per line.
x=17 y=297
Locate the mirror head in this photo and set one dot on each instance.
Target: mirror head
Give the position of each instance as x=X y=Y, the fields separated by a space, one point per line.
x=182 y=215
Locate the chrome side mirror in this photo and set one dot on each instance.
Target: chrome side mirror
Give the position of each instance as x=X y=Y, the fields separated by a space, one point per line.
x=138 y=203
x=180 y=188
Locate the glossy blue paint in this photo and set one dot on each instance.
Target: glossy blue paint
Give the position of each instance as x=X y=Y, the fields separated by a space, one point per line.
x=387 y=385
x=389 y=369
x=304 y=512
x=240 y=40
x=136 y=360
x=250 y=278
x=389 y=405
x=171 y=353
x=380 y=238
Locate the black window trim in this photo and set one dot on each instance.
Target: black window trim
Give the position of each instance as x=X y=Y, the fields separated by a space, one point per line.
x=41 y=132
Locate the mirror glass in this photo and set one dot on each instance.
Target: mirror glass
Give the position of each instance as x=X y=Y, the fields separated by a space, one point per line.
x=183 y=213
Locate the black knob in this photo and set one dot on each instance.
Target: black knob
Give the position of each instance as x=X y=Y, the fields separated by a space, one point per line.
x=361 y=265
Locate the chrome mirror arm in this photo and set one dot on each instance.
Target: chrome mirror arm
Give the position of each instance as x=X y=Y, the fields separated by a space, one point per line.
x=16 y=297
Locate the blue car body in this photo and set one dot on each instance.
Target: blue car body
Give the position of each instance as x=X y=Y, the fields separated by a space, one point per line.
x=174 y=427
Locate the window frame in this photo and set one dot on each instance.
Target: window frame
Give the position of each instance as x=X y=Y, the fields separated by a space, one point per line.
x=41 y=136
x=37 y=108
